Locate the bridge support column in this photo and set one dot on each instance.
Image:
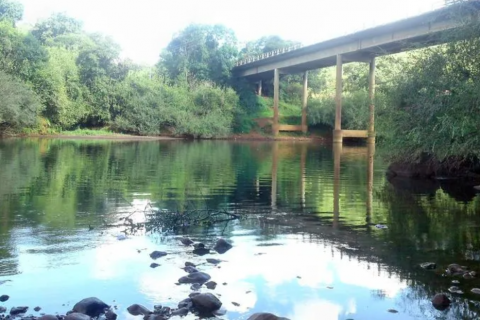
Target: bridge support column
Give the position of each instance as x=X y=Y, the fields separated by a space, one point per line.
x=371 y=98
x=276 y=100
x=337 y=133
x=259 y=88
x=304 y=102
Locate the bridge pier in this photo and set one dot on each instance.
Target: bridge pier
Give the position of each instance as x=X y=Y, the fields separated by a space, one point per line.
x=304 y=102
x=371 y=98
x=276 y=100
x=259 y=88
x=337 y=133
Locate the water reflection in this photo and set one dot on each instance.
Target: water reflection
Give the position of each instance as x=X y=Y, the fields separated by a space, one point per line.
x=308 y=244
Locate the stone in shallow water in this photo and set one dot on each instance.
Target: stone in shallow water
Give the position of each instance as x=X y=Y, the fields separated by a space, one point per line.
x=190 y=269
x=475 y=290
x=186 y=241
x=428 y=265
x=111 y=315
x=211 y=285
x=92 y=307
x=455 y=289
x=18 y=310
x=265 y=316
x=441 y=301
x=157 y=254
x=206 y=303
x=154 y=265
x=201 y=251
x=196 y=286
x=4 y=298
x=214 y=261
x=222 y=246
x=196 y=277
x=392 y=311
x=77 y=316
x=137 y=310
x=37 y=309
x=182 y=312
x=3 y=309
x=48 y=317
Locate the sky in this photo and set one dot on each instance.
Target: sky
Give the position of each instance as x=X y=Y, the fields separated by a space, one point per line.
x=144 y=27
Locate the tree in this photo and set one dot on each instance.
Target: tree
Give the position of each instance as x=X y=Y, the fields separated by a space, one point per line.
x=11 y=11
x=199 y=53
x=57 y=25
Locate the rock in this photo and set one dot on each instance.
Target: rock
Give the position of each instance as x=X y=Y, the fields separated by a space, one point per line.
x=265 y=316
x=193 y=294
x=196 y=286
x=475 y=290
x=77 y=316
x=455 y=269
x=190 y=269
x=477 y=188
x=214 y=261
x=187 y=303
x=165 y=311
x=198 y=246
x=206 y=303
x=137 y=310
x=157 y=254
x=182 y=312
x=111 y=315
x=4 y=298
x=154 y=265
x=455 y=289
x=92 y=307
x=18 y=310
x=155 y=317
x=236 y=304
x=428 y=265
x=3 y=309
x=36 y=309
x=186 y=241
x=201 y=251
x=48 y=317
x=441 y=301
x=222 y=246
x=211 y=285
x=196 y=277
x=467 y=275
x=189 y=264
x=392 y=311
x=455 y=282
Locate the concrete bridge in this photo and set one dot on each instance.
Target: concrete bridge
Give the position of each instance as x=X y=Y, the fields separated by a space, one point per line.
x=416 y=32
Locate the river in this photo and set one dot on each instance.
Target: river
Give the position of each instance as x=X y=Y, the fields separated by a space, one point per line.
x=307 y=246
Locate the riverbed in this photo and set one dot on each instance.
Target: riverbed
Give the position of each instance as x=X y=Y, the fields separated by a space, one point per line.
x=323 y=235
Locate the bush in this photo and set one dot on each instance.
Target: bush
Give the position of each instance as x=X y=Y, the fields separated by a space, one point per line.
x=19 y=106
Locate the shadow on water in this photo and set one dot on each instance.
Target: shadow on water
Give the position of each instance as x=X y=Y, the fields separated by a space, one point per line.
x=308 y=244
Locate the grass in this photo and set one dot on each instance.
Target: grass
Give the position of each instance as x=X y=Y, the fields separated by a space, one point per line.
x=88 y=132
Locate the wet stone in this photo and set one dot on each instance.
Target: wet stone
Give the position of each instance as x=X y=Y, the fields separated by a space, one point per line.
x=429 y=265
x=211 y=285
x=182 y=312
x=37 y=309
x=154 y=265
x=475 y=290
x=196 y=286
x=3 y=309
x=201 y=251
x=222 y=246
x=236 y=304
x=206 y=303
x=48 y=317
x=441 y=301
x=137 y=310
x=111 y=315
x=186 y=241
x=92 y=307
x=77 y=316
x=187 y=303
x=214 y=261
x=265 y=316
x=196 y=277
x=157 y=254
x=392 y=311
x=199 y=245
x=190 y=269
x=4 y=298
x=18 y=310
x=455 y=289
x=190 y=264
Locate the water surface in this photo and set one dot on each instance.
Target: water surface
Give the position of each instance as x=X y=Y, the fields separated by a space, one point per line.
x=307 y=247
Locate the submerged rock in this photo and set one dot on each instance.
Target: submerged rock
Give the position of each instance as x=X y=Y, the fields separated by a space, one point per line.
x=187 y=303
x=196 y=277
x=186 y=241
x=157 y=254
x=392 y=311
x=214 y=261
x=455 y=269
x=154 y=265
x=48 y=317
x=92 y=307
x=206 y=303
x=4 y=298
x=198 y=245
x=77 y=316
x=428 y=265
x=3 y=309
x=196 y=286
x=18 y=310
x=222 y=246
x=190 y=264
x=475 y=290
x=137 y=310
x=182 y=312
x=441 y=301
x=265 y=316
x=36 y=309
x=455 y=289
x=201 y=251
x=190 y=269
x=111 y=315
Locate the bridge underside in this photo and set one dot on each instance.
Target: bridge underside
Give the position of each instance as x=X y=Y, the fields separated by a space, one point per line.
x=418 y=32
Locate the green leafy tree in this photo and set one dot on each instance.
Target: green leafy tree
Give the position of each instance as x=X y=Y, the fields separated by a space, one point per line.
x=57 y=25
x=11 y=11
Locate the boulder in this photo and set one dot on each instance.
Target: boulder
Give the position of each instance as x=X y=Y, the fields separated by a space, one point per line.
x=137 y=310
x=4 y=298
x=92 y=307
x=190 y=269
x=36 y=309
x=475 y=290
x=455 y=269
x=77 y=316
x=157 y=254
x=182 y=312
x=48 y=317
x=206 y=303
x=429 y=265
x=190 y=264
x=18 y=310
x=441 y=301
x=195 y=286
x=222 y=246
x=199 y=246
x=265 y=316
x=186 y=241
x=3 y=309
x=201 y=251
x=196 y=277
